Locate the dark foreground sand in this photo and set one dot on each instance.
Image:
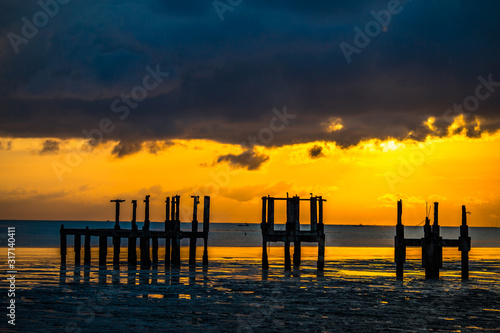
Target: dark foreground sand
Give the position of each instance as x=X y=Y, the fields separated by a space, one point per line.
x=354 y=294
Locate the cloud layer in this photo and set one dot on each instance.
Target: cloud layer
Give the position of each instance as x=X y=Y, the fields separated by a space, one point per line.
x=225 y=77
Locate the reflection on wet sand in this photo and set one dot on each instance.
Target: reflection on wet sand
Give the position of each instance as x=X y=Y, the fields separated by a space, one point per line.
x=358 y=283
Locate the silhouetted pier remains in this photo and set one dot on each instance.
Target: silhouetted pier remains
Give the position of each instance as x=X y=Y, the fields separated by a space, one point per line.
x=432 y=245
x=292 y=232
x=148 y=239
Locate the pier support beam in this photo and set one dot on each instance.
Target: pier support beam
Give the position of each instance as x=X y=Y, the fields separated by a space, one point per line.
x=103 y=250
x=78 y=249
x=264 y=228
x=63 y=245
x=155 y=251
x=132 y=245
x=206 y=227
x=399 y=243
x=194 y=230
x=464 y=244
x=145 y=256
x=86 y=250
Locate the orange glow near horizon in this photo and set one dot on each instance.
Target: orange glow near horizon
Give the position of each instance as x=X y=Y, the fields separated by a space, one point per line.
x=361 y=183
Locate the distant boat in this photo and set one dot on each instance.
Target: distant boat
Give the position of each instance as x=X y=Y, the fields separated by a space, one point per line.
x=243 y=225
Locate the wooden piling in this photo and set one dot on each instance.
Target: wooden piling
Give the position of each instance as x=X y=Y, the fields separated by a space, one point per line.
x=117 y=212
x=399 y=243
x=155 y=250
x=206 y=227
x=270 y=214
x=132 y=251
x=194 y=230
x=265 y=260
x=132 y=245
x=176 y=238
x=103 y=250
x=63 y=245
x=144 y=245
x=145 y=248
x=116 y=249
x=314 y=213
x=146 y=213
x=86 y=251
x=288 y=264
x=264 y=228
x=295 y=215
x=464 y=245
x=321 y=252
x=134 y=214
x=78 y=249
x=167 y=231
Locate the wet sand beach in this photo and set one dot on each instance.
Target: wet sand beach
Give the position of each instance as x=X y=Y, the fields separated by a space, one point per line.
x=357 y=292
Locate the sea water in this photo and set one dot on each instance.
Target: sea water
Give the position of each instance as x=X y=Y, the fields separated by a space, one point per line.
x=357 y=292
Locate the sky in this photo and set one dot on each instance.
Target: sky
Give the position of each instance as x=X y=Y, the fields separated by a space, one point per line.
x=363 y=103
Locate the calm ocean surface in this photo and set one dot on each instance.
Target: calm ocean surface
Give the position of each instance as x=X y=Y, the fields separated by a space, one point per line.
x=357 y=292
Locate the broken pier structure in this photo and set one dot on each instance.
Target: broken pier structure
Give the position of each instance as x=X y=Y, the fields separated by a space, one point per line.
x=292 y=232
x=432 y=245
x=148 y=239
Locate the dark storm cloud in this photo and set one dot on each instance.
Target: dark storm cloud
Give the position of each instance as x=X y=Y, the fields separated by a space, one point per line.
x=316 y=152
x=249 y=159
x=124 y=148
x=50 y=147
x=226 y=77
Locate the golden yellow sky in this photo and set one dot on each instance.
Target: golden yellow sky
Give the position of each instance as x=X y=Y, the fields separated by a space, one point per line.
x=361 y=183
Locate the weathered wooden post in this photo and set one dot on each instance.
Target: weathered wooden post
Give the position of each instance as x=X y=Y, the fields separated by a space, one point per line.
x=314 y=213
x=78 y=248
x=321 y=236
x=427 y=249
x=63 y=245
x=176 y=241
x=296 y=231
x=264 y=228
x=399 y=243
x=145 y=258
x=146 y=213
x=154 y=240
x=436 y=251
x=117 y=212
x=167 y=231
x=116 y=236
x=132 y=251
x=288 y=230
x=194 y=230
x=86 y=251
x=103 y=250
x=206 y=224
x=464 y=247
x=270 y=213
x=134 y=215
